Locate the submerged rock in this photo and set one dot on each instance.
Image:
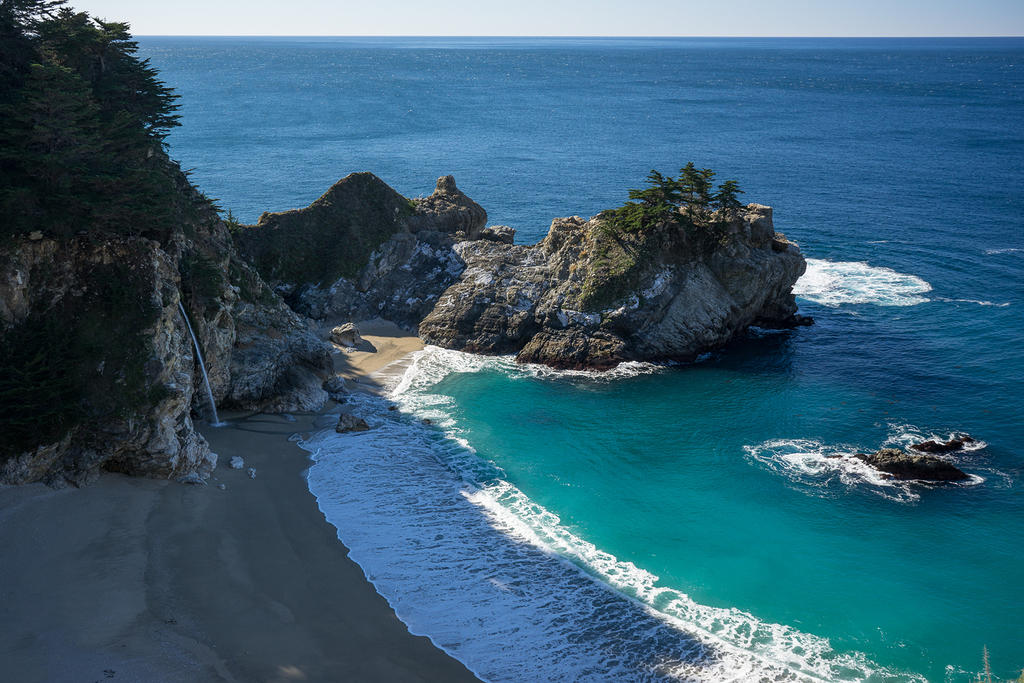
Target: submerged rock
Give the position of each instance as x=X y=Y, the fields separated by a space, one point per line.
x=347 y=422
x=908 y=466
x=954 y=444
x=236 y=462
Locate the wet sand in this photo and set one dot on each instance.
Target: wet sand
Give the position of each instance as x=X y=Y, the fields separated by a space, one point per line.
x=143 y=580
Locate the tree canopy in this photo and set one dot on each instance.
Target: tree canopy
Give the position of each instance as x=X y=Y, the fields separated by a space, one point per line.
x=689 y=198
x=83 y=122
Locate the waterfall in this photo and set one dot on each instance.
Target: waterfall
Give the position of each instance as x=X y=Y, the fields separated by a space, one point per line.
x=202 y=366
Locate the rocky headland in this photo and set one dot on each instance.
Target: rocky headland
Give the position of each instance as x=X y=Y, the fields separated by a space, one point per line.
x=589 y=298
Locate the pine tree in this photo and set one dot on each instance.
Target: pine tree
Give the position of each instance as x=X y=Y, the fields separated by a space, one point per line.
x=83 y=126
x=726 y=197
x=49 y=143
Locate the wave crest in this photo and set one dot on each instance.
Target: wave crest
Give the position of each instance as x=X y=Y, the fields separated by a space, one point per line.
x=432 y=364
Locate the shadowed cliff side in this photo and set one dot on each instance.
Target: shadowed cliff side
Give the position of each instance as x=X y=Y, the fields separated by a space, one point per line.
x=363 y=251
x=98 y=368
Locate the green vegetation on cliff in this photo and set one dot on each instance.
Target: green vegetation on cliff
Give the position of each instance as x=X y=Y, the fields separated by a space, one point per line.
x=82 y=160
x=331 y=238
x=83 y=127
x=82 y=360
x=689 y=200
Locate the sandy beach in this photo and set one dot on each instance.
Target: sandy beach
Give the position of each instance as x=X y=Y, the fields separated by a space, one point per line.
x=143 y=580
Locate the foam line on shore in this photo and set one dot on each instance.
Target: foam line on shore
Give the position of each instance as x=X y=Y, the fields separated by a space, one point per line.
x=498 y=581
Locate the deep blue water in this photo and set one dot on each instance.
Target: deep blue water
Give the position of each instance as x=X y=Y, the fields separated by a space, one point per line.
x=896 y=164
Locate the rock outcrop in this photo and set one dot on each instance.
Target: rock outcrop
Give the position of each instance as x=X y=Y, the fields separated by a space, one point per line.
x=907 y=466
x=346 y=335
x=588 y=297
x=347 y=422
x=363 y=250
x=98 y=367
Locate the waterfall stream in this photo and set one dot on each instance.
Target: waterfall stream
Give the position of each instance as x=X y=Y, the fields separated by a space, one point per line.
x=202 y=366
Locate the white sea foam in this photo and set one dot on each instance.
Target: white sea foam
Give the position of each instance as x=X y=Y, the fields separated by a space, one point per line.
x=834 y=283
x=974 y=301
x=498 y=581
x=1008 y=250
x=432 y=364
x=817 y=467
x=905 y=435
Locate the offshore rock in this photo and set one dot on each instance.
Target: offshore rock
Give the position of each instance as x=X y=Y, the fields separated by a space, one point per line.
x=348 y=422
x=588 y=297
x=907 y=466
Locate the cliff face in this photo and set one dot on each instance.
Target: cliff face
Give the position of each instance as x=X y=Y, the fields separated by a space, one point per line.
x=97 y=368
x=364 y=251
x=111 y=384
x=588 y=297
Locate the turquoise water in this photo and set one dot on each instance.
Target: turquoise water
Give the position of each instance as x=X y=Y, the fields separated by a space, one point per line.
x=523 y=532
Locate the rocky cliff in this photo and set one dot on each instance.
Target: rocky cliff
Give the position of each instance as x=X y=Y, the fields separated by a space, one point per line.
x=362 y=250
x=588 y=296
x=97 y=367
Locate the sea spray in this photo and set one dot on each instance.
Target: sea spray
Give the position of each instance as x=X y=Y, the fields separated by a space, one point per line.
x=834 y=283
x=202 y=366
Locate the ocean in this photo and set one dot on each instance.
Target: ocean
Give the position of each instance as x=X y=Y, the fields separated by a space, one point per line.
x=684 y=522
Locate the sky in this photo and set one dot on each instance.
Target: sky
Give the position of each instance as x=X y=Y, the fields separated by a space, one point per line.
x=565 y=17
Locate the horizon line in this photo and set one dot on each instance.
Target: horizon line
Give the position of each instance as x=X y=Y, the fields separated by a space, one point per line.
x=389 y=35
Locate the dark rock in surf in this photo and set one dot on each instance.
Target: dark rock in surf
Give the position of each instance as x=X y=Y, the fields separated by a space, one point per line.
x=347 y=422
x=957 y=443
x=911 y=467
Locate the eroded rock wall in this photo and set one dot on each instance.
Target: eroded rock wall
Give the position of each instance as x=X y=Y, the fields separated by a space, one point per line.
x=98 y=367
x=585 y=297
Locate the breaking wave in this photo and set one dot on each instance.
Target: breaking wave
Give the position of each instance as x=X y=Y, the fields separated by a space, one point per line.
x=830 y=469
x=499 y=582
x=834 y=283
